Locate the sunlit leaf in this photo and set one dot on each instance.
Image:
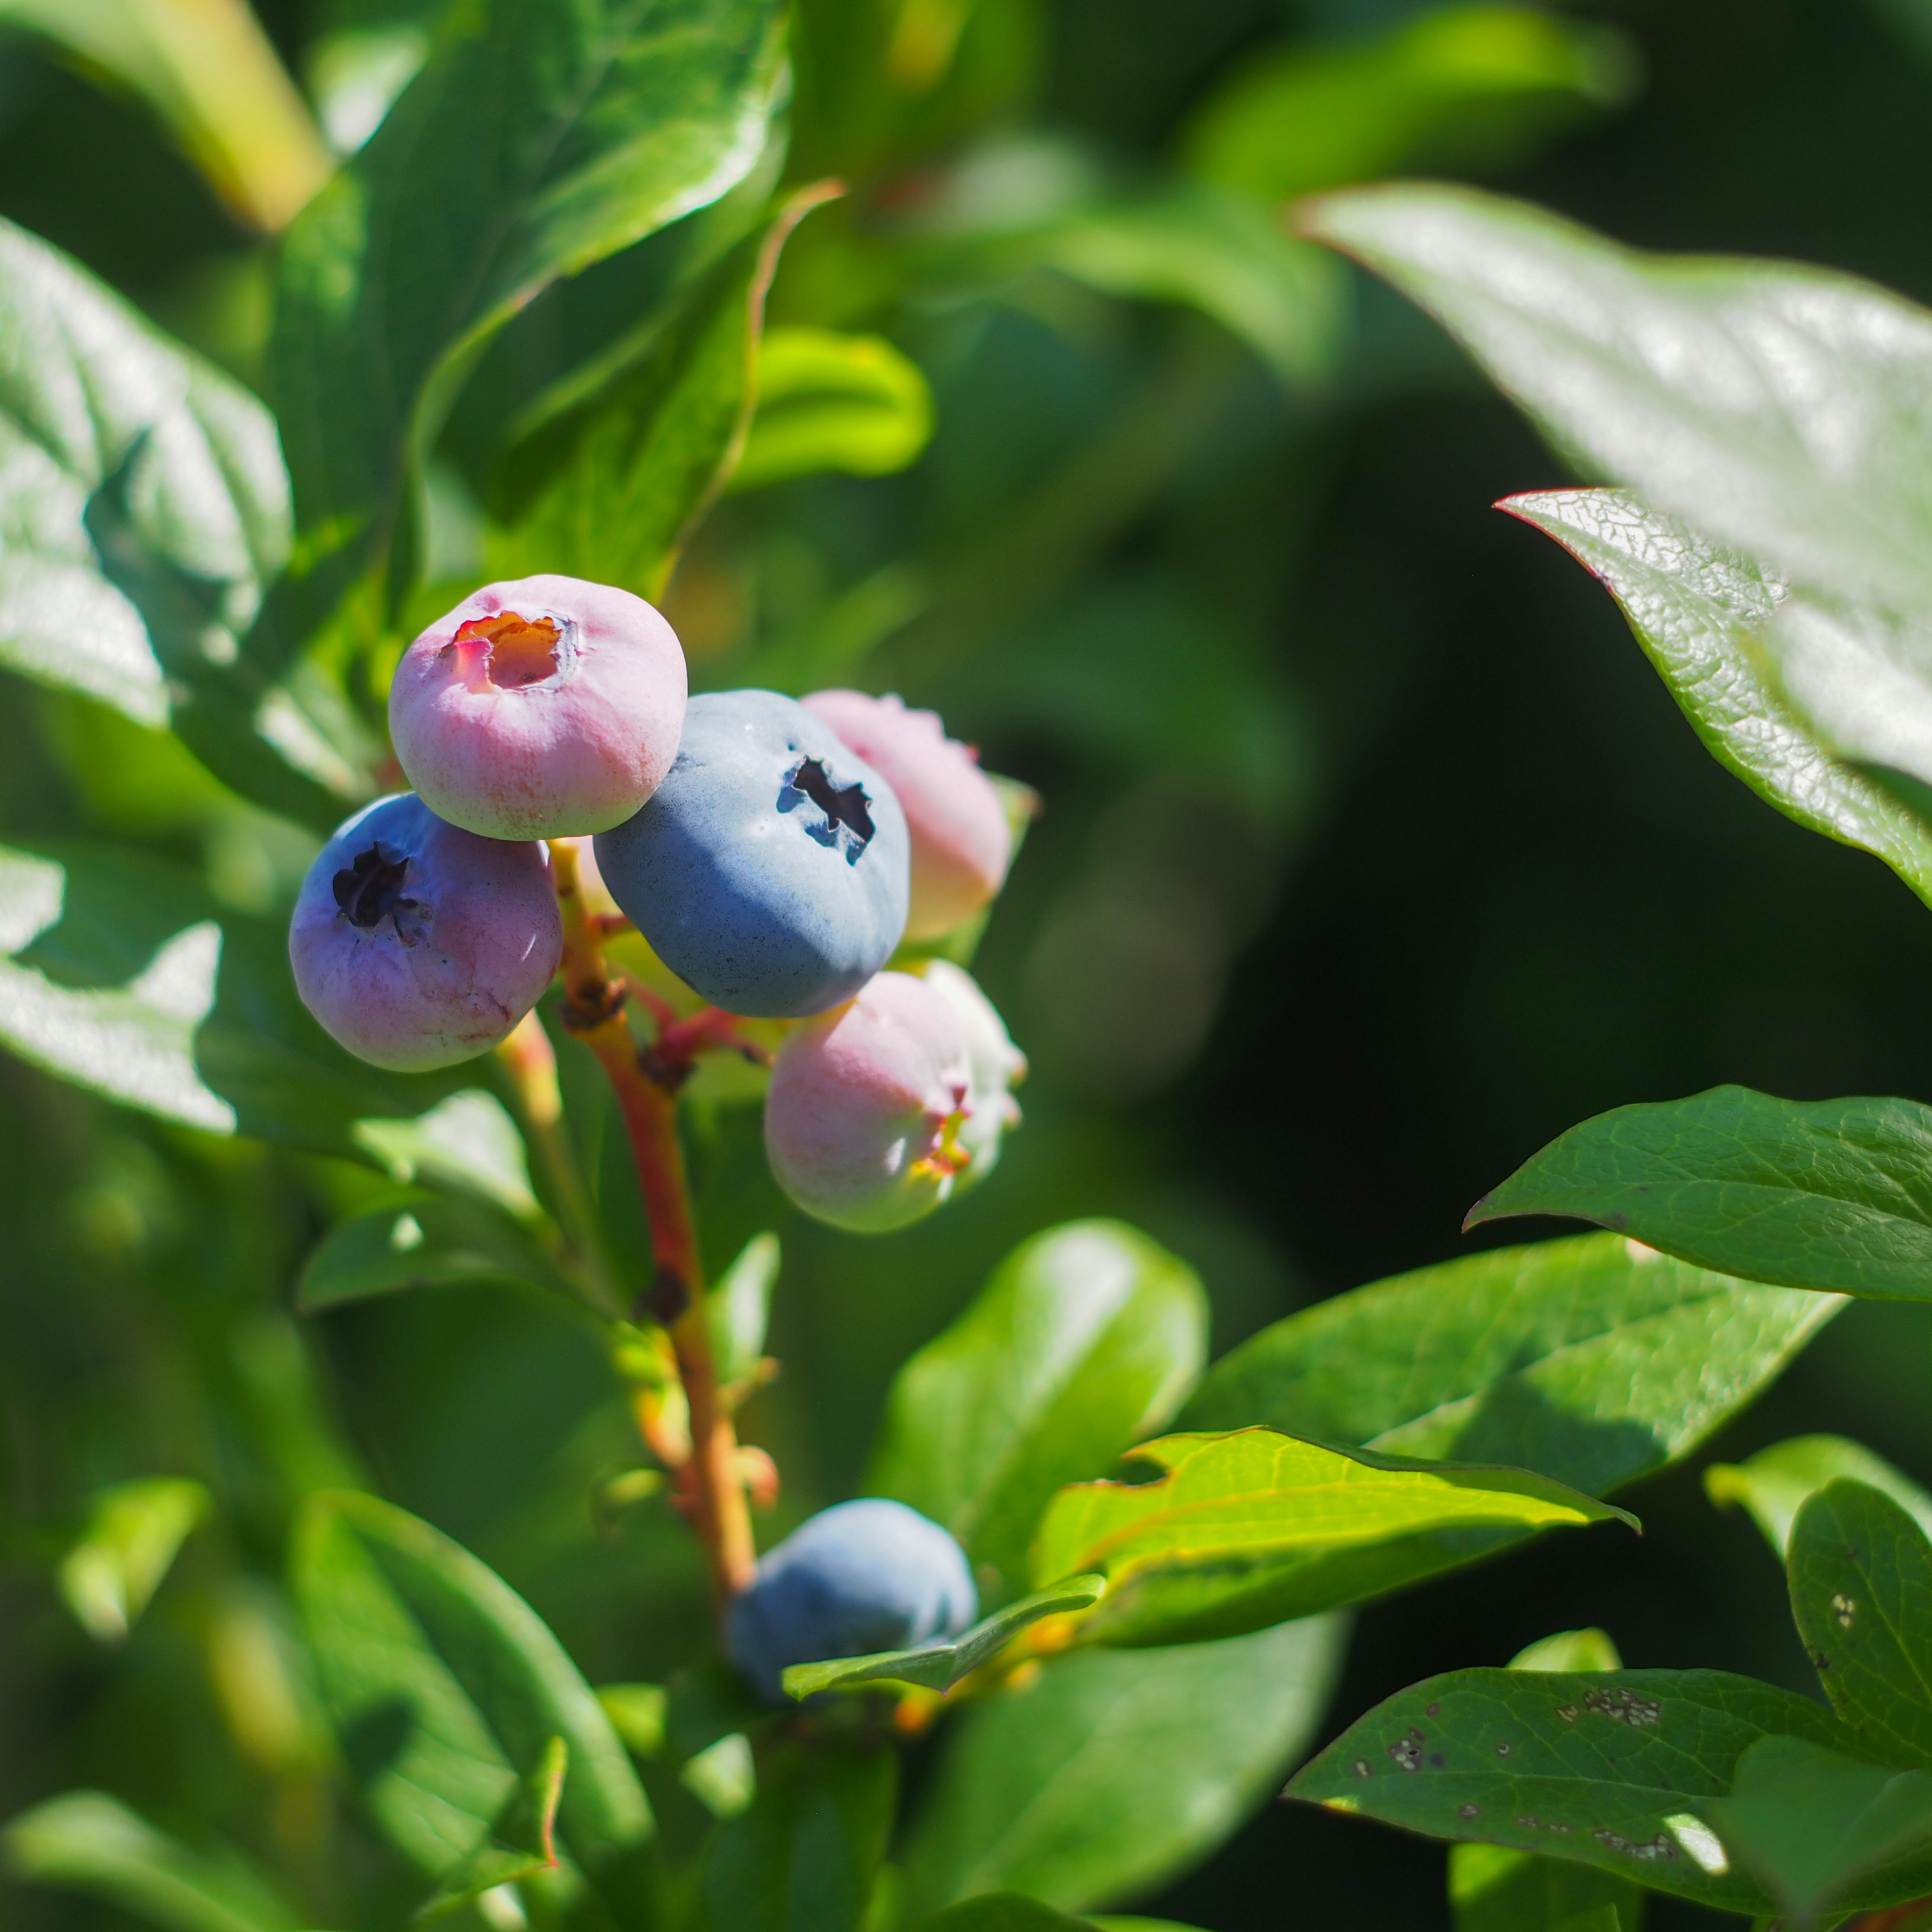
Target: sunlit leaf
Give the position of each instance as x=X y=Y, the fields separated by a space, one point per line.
x=134 y=1532
x=88 y=1842
x=1609 y=1769
x=1116 y=1769
x=468 y=1142
x=1774 y=1484
x=522 y=1842
x=738 y=1309
x=831 y=401
x=938 y=1666
x=1593 y=1360
x=1253 y=1527
x=1829 y=1194
x=1083 y=1341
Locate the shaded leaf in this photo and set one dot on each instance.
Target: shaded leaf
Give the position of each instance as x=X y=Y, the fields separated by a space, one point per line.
x=134 y=1532
x=522 y=1842
x=1705 y=617
x=1593 y=1360
x=1608 y=1768
x=610 y=472
x=1860 y=1576
x=1003 y=1911
x=1773 y=1485
x=1813 y=1827
x=1116 y=1769
x=445 y=1689
x=425 y=1240
x=86 y=1841
x=540 y=137
x=1460 y=84
x=1782 y=410
x=1083 y=1340
x=738 y=1309
x=828 y=400
x=1831 y=1194
x=804 y=1857
x=468 y=1142
x=938 y=1666
x=1253 y=1527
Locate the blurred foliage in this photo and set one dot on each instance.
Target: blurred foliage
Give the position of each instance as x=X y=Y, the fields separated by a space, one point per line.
x=1373 y=853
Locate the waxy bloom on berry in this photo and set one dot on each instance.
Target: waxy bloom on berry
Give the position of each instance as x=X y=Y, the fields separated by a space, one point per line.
x=541 y=708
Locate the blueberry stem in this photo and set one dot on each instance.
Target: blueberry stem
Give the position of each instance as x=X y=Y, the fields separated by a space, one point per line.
x=709 y=1483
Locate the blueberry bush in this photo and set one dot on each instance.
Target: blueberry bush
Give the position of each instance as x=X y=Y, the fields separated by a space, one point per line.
x=630 y=623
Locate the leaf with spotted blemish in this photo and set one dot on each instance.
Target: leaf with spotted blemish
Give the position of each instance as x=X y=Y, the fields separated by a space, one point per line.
x=1606 y=1767
x=1860 y=1573
x=1831 y=1194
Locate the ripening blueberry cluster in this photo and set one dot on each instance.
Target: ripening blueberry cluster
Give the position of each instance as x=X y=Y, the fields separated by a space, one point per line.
x=774 y=852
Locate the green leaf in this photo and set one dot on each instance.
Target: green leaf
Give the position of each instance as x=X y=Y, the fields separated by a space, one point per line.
x=1831 y=1194
x=134 y=1532
x=86 y=1841
x=738 y=1309
x=1493 y=1889
x=1773 y=1485
x=445 y=1689
x=1781 y=409
x=1254 y=1527
x=1082 y=1341
x=467 y=1141
x=1116 y=1769
x=938 y=1666
x=1608 y=1768
x=637 y=1713
x=610 y=471
x=425 y=1240
x=1705 y=617
x=540 y=137
x=1593 y=1360
x=1860 y=1575
x=522 y=1842
x=1814 y=1828
x=805 y=1855
x=1001 y=1912
x=1462 y=84
x=827 y=400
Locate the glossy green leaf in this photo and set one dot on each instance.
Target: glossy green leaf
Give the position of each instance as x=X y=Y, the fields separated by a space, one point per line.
x=1781 y=409
x=1831 y=1194
x=445 y=1689
x=86 y=1841
x=1608 y=1768
x=609 y=474
x=1494 y=1889
x=1082 y=1341
x=467 y=1141
x=425 y=1240
x=1253 y=1527
x=212 y=74
x=521 y=1842
x=1705 y=617
x=1464 y=84
x=804 y=1856
x=540 y=137
x=1116 y=1769
x=738 y=1309
x=938 y=1666
x=1773 y=1485
x=134 y=1532
x=827 y=400
x=1593 y=1360
x=1813 y=1827
x=1860 y=1575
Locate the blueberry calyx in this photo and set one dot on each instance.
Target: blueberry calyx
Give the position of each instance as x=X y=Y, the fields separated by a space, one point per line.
x=848 y=824
x=371 y=890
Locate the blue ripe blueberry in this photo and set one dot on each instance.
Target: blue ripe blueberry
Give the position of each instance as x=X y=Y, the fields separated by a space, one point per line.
x=771 y=868
x=418 y=944
x=860 y=1577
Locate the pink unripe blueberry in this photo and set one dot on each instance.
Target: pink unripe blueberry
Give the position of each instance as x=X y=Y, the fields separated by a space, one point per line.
x=962 y=843
x=540 y=709
x=418 y=944
x=865 y=1105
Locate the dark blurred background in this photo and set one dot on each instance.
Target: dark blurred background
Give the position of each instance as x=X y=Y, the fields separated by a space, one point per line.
x=1374 y=855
